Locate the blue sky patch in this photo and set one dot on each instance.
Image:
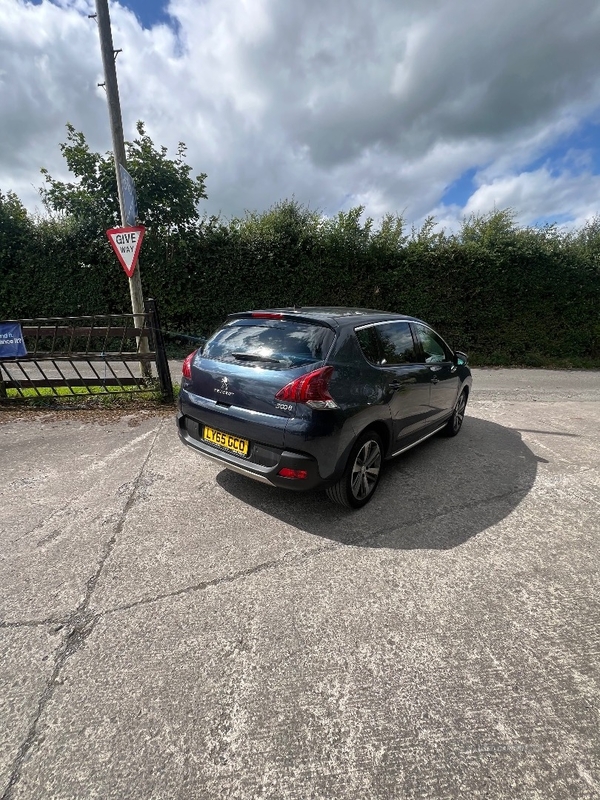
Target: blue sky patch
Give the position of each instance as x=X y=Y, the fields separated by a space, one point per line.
x=460 y=190
x=555 y=219
x=149 y=12
x=578 y=153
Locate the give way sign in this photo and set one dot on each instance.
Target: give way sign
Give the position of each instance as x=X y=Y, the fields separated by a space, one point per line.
x=126 y=242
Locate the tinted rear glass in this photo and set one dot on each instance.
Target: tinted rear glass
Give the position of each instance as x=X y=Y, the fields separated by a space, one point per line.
x=367 y=339
x=397 y=343
x=269 y=344
x=390 y=343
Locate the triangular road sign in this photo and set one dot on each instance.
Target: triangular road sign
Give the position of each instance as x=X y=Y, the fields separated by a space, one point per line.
x=126 y=242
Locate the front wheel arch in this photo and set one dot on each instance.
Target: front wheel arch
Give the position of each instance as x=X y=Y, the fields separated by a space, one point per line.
x=454 y=424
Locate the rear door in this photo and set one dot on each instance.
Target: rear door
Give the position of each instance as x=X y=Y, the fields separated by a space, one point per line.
x=437 y=357
x=392 y=349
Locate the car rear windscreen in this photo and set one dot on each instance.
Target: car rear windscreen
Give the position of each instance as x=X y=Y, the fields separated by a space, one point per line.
x=269 y=344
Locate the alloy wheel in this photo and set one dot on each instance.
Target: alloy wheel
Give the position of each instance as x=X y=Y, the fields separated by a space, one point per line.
x=365 y=470
x=459 y=413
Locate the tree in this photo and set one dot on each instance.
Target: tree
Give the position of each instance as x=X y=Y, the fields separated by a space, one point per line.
x=15 y=225
x=167 y=194
x=15 y=231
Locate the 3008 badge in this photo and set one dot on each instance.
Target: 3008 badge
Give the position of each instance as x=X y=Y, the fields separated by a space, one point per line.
x=284 y=406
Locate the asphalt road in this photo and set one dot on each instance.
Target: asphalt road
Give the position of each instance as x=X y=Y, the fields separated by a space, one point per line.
x=171 y=630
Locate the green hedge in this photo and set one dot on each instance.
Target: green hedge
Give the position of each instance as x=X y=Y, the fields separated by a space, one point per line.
x=507 y=295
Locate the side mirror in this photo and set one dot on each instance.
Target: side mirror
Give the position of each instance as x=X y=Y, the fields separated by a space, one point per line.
x=460 y=358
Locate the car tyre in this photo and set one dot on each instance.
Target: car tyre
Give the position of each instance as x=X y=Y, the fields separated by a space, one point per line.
x=455 y=422
x=361 y=476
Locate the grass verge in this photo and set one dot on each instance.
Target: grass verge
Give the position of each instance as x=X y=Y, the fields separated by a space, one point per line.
x=78 y=397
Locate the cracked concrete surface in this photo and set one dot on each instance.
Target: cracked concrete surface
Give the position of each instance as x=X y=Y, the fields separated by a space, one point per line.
x=171 y=630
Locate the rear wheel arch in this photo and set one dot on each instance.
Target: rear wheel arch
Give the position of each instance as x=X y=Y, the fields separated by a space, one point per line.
x=361 y=475
x=382 y=430
x=379 y=427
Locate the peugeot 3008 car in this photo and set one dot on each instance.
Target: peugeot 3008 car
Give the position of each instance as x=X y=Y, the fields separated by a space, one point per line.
x=319 y=398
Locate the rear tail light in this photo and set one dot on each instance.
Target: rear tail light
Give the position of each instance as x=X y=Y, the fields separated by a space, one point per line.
x=294 y=474
x=186 y=369
x=311 y=389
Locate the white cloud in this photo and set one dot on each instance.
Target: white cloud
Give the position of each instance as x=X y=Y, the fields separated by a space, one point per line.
x=539 y=194
x=336 y=103
x=567 y=198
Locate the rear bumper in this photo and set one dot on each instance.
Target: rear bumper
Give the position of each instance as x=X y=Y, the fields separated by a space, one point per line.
x=263 y=464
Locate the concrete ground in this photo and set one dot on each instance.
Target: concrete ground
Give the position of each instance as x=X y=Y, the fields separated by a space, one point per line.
x=171 y=630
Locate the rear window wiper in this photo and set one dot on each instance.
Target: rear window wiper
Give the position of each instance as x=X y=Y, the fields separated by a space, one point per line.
x=255 y=357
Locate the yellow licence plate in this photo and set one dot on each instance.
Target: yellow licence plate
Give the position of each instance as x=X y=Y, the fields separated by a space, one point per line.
x=226 y=440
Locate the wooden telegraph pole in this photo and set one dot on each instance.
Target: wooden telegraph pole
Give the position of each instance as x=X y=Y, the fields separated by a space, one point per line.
x=116 y=128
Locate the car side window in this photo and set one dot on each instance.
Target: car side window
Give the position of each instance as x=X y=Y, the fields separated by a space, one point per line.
x=396 y=343
x=367 y=340
x=433 y=347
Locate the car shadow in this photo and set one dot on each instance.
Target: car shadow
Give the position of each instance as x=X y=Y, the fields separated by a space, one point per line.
x=436 y=496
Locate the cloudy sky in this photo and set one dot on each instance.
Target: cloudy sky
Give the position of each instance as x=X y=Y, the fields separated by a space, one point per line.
x=420 y=107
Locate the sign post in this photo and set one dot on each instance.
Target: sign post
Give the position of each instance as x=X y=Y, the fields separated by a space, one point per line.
x=124 y=182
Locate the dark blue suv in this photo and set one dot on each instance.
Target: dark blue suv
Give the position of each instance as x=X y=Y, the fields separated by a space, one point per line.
x=318 y=398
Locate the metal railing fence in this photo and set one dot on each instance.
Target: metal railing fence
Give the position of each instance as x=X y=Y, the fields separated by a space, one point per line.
x=88 y=354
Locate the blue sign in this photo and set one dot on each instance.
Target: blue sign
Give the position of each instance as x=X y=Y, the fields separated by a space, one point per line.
x=129 y=196
x=12 y=344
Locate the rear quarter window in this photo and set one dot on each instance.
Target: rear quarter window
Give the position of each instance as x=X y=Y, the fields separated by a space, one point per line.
x=397 y=344
x=269 y=344
x=369 y=344
x=387 y=343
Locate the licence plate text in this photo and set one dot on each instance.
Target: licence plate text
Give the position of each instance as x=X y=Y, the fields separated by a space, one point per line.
x=226 y=440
